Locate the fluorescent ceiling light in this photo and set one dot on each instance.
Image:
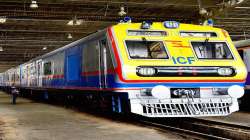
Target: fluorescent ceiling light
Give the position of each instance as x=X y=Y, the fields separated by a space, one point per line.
x=203 y=11
x=75 y=22
x=44 y=48
x=33 y=4
x=1 y=49
x=122 y=11
x=3 y=19
x=69 y=36
x=242 y=7
x=239 y=1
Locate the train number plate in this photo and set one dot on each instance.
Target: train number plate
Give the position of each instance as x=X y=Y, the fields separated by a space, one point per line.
x=185 y=92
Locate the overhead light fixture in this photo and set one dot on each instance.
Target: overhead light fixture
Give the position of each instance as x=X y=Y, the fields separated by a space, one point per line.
x=242 y=7
x=239 y=1
x=75 y=21
x=122 y=11
x=232 y=3
x=44 y=48
x=69 y=36
x=203 y=11
x=3 y=19
x=1 y=49
x=33 y=4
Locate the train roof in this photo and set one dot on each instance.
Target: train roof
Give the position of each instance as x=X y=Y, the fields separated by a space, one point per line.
x=242 y=43
x=161 y=26
x=67 y=46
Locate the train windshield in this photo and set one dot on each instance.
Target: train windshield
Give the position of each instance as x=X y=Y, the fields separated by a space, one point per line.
x=212 y=50
x=146 y=49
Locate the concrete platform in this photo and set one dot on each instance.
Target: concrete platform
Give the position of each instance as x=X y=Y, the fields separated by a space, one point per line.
x=28 y=120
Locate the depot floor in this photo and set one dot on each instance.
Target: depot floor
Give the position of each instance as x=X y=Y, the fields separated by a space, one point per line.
x=28 y=120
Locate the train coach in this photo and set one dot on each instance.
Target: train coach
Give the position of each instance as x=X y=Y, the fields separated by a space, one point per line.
x=154 y=69
x=243 y=47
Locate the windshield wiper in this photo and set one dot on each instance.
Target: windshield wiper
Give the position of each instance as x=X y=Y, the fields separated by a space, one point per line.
x=147 y=45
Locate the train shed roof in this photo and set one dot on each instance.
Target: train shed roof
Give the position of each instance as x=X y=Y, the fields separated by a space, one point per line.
x=27 y=32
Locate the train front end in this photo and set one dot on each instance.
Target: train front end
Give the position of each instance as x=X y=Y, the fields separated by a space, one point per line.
x=177 y=70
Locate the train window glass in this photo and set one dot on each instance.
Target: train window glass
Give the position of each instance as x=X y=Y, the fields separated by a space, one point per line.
x=246 y=59
x=146 y=49
x=212 y=50
x=109 y=59
x=13 y=77
x=17 y=77
x=32 y=69
x=91 y=57
x=23 y=72
x=58 y=60
x=47 y=68
x=146 y=33
x=241 y=53
x=198 y=34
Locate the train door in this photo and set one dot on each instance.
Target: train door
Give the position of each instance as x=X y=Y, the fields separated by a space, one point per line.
x=28 y=75
x=23 y=75
x=103 y=63
x=39 y=73
x=73 y=66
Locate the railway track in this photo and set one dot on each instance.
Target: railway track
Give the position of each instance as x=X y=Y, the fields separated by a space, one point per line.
x=218 y=128
x=181 y=131
x=201 y=128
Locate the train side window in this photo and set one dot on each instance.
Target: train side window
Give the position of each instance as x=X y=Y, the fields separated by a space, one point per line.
x=23 y=72
x=17 y=77
x=91 y=57
x=109 y=59
x=241 y=53
x=47 y=68
x=58 y=60
x=12 y=77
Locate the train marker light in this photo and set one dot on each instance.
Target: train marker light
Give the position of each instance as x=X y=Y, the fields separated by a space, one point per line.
x=146 y=24
x=161 y=92
x=236 y=91
x=225 y=71
x=171 y=24
x=147 y=71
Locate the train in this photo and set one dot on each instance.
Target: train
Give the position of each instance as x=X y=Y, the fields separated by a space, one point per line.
x=243 y=47
x=151 y=69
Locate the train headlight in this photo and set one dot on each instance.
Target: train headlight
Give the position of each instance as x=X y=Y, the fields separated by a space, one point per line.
x=225 y=71
x=161 y=92
x=236 y=91
x=146 y=71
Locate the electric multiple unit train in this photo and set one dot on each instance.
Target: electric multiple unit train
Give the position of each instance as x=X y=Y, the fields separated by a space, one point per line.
x=243 y=47
x=154 y=69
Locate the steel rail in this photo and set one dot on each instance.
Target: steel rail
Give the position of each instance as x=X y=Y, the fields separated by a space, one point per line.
x=182 y=131
x=219 y=123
